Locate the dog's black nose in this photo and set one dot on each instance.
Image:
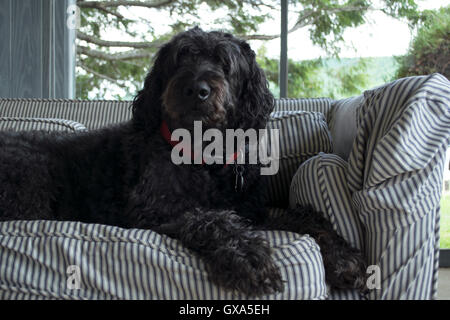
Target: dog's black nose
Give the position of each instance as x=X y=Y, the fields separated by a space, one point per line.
x=200 y=90
x=203 y=90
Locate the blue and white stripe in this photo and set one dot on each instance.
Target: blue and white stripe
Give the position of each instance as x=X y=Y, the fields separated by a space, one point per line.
x=321 y=105
x=118 y=263
x=303 y=134
x=92 y=114
x=321 y=182
x=395 y=176
x=47 y=124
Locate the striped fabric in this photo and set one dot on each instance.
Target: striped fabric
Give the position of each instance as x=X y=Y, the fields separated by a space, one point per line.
x=395 y=177
x=20 y=124
x=303 y=134
x=341 y=294
x=321 y=182
x=342 y=124
x=73 y=260
x=92 y=114
x=322 y=105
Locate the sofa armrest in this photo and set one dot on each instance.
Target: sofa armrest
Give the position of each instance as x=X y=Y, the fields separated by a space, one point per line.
x=395 y=177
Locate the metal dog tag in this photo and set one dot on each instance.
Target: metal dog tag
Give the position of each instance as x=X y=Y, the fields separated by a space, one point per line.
x=239 y=172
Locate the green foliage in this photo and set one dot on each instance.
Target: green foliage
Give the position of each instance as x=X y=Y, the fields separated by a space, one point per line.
x=350 y=80
x=430 y=50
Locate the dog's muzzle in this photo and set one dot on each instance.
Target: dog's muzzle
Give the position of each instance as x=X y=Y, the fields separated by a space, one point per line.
x=197 y=96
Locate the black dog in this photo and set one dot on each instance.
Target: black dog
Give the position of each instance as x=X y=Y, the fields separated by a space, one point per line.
x=123 y=175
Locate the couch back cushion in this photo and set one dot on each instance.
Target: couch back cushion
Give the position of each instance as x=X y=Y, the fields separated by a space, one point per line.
x=46 y=124
x=322 y=105
x=92 y=114
x=98 y=113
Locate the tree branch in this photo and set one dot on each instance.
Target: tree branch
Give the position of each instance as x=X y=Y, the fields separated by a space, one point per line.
x=100 y=75
x=269 y=37
x=132 y=54
x=105 y=43
x=263 y=37
x=106 y=10
x=117 y=3
x=308 y=17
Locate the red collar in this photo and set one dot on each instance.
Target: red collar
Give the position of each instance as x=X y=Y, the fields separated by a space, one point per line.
x=167 y=135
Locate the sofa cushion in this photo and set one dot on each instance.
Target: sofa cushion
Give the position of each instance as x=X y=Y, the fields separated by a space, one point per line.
x=74 y=260
x=303 y=134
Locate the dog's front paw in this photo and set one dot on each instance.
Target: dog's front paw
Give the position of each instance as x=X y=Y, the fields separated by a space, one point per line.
x=348 y=271
x=246 y=266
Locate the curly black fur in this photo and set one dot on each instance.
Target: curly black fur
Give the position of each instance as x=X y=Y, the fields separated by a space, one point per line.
x=123 y=175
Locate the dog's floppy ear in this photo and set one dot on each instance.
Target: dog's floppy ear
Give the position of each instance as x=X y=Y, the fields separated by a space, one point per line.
x=146 y=107
x=256 y=101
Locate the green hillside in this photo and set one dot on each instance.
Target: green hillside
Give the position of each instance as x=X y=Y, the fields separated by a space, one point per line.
x=380 y=69
x=372 y=72
x=333 y=78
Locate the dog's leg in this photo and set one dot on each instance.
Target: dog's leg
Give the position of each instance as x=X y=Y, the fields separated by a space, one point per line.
x=236 y=257
x=345 y=267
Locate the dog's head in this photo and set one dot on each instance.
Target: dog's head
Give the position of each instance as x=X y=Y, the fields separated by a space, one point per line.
x=204 y=76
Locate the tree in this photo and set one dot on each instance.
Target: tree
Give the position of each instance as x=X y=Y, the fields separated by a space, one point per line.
x=430 y=50
x=123 y=64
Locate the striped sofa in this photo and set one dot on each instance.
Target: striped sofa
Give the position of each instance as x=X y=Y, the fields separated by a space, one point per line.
x=372 y=164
